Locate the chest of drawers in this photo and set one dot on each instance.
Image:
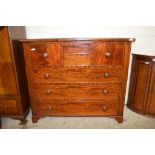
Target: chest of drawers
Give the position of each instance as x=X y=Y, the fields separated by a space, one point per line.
x=77 y=77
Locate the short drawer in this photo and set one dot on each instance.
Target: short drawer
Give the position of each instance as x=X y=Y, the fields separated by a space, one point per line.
x=105 y=74
x=61 y=108
x=45 y=54
x=110 y=53
x=8 y=107
x=77 y=91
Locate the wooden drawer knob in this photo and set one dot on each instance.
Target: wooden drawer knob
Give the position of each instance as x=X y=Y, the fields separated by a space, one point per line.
x=5 y=107
x=106 y=75
x=104 y=107
x=48 y=92
x=108 y=55
x=46 y=75
x=105 y=91
x=45 y=55
x=50 y=108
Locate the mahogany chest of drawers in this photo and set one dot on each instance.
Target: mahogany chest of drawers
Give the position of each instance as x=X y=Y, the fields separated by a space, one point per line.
x=77 y=77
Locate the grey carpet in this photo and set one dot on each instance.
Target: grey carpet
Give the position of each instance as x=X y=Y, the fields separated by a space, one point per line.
x=131 y=121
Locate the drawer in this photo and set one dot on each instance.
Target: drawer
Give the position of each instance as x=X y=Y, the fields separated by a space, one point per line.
x=77 y=91
x=45 y=54
x=111 y=53
x=76 y=59
x=8 y=107
x=71 y=108
x=106 y=74
x=77 y=53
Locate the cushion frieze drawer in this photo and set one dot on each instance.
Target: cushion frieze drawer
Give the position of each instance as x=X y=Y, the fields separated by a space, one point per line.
x=76 y=108
x=106 y=74
x=77 y=53
x=77 y=90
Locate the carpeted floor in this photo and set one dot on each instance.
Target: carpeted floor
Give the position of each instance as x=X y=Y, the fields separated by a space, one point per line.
x=131 y=120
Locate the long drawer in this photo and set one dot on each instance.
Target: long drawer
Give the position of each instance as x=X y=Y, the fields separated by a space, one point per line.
x=77 y=91
x=54 y=108
x=104 y=74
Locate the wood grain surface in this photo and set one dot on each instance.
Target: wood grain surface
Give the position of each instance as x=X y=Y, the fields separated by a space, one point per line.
x=77 y=77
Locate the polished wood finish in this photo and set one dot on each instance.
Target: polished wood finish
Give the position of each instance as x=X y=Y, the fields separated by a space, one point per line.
x=151 y=97
x=104 y=74
x=109 y=53
x=79 y=39
x=77 y=77
x=7 y=74
x=74 y=108
x=45 y=55
x=141 y=93
x=14 y=98
x=76 y=91
x=8 y=107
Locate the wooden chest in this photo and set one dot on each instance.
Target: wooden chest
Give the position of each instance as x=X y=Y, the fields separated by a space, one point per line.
x=14 y=97
x=77 y=77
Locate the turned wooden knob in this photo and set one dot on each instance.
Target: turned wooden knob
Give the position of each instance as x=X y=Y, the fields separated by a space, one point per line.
x=46 y=75
x=5 y=107
x=106 y=75
x=45 y=55
x=48 y=92
x=104 y=108
x=105 y=91
x=50 y=108
x=108 y=55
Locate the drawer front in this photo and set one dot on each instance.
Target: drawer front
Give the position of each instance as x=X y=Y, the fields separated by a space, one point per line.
x=8 y=107
x=77 y=53
x=76 y=59
x=77 y=91
x=106 y=74
x=45 y=54
x=76 y=108
x=110 y=53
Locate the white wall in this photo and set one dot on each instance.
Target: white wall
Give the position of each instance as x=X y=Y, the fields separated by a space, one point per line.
x=145 y=36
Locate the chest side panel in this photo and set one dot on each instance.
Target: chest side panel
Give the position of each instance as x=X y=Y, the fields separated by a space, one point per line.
x=7 y=73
